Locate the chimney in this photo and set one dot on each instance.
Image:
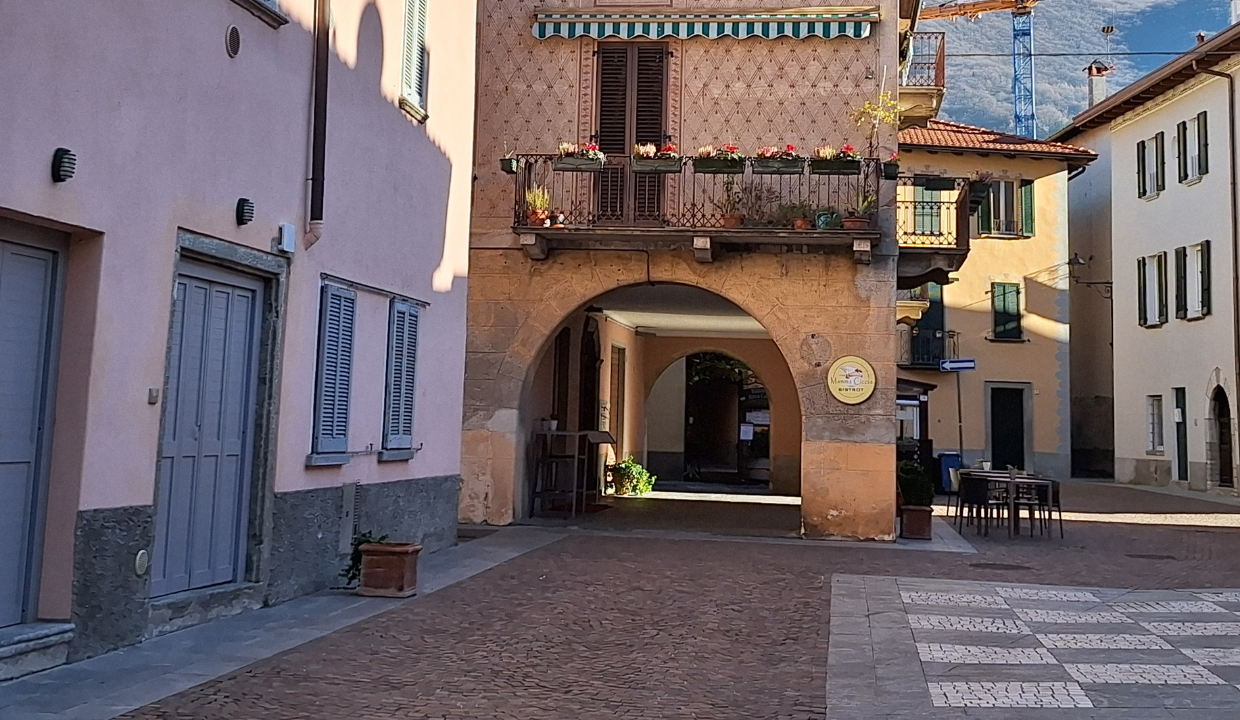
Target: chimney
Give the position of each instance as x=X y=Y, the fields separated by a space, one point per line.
x=1098 y=72
x=1201 y=37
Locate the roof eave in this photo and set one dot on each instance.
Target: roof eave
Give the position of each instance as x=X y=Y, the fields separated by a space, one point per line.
x=1064 y=156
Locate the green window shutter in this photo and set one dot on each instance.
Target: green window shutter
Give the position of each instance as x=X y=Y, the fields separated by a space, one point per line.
x=1205 y=278
x=1203 y=144
x=1160 y=161
x=1181 y=283
x=984 y=223
x=401 y=375
x=1161 y=268
x=1142 y=314
x=1142 y=190
x=337 y=314
x=1181 y=149
x=413 y=60
x=1027 y=209
x=1005 y=306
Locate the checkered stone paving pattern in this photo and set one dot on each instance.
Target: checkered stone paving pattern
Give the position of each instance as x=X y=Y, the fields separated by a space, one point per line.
x=1095 y=652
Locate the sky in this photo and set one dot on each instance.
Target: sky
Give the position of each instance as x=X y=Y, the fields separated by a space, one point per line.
x=979 y=89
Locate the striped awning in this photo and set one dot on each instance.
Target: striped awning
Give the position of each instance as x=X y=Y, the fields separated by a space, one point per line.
x=816 y=22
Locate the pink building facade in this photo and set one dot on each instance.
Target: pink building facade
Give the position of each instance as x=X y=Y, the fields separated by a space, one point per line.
x=234 y=337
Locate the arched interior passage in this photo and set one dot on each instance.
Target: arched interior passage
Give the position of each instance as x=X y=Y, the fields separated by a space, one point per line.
x=1223 y=455
x=614 y=364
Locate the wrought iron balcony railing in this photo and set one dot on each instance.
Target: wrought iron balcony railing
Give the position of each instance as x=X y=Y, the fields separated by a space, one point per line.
x=924 y=347
x=927 y=66
x=932 y=212
x=618 y=196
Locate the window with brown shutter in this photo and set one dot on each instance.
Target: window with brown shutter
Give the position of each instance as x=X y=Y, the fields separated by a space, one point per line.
x=631 y=110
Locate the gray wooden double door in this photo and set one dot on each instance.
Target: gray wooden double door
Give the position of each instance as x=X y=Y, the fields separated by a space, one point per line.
x=206 y=451
x=27 y=280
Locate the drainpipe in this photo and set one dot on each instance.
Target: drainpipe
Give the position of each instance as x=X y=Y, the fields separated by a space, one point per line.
x=318 y=132
x=1235 y=213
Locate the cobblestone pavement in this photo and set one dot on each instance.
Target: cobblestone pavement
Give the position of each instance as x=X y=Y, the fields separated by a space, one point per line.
x=598 y=626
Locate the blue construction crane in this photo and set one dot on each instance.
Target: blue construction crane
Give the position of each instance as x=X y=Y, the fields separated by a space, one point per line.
x=1024 y=77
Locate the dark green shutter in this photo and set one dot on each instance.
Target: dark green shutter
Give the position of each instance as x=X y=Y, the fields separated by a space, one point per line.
x=1142 y=316
x=1142 y=190
x=1203 y=144
x=1027 y=208
x=337 y=314
x=1161 y=266
x=1005 y=309
x=1181 y=282
x=1181 y=149
x=984 y=223
x=1205 y=278
x=1160 y=161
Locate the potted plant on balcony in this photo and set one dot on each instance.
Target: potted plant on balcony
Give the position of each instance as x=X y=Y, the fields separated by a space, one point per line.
x=859 y=217
x=798 y=215
x=884 y=110
x=508 y=165
x=537 y=206
x=916 y=502
x=891 y=168
x=729 y=205
x=830 y=161
x=584 y=157
x=650 y=158
x=827 y=218
x=771 y=160
x=725 y=160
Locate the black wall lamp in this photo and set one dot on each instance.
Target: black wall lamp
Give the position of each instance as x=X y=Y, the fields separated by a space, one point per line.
x=1102 y=286
x=64 y=164
x=245 y=211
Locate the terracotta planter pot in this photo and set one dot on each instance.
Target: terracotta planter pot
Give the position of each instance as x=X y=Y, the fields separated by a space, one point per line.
x=916 y=522
x=854 y=222
x=802 y=224
x=733 y=220
x=537 y=218
x=389 y=569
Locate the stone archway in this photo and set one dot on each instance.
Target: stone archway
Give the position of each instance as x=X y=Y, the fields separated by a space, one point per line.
x=815 y=307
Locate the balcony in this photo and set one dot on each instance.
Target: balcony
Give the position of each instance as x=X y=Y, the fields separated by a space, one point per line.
x=933 y=227
x=923 y=348
x=924 y=81
x=617 y=207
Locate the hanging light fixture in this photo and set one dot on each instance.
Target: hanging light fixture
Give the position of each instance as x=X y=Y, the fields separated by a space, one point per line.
x=245 y=211
x=64 y=164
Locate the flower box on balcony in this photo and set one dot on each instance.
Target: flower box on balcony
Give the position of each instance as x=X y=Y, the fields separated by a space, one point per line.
x=508 y=165
x=718 y=166
x=891 y=170
x=778 y=166
x=835 y=167
x=572 y=163
x=978 y=193
x=657 y=166
x=941 y=184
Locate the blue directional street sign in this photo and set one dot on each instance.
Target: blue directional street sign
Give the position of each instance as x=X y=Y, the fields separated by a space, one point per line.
x=957 y=365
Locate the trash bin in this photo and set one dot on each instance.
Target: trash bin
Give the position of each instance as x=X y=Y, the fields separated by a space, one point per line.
x=948 y=461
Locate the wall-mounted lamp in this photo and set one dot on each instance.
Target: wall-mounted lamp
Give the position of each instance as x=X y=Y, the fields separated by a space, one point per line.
x=64 y=164
x=1102 y=286
x=245 y=211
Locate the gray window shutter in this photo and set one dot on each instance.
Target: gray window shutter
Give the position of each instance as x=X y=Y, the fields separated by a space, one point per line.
x=337 y=315
x=413 y=62
x=1181 y=149
x=1142 y=190
x=1181 y=283
x=402 y=373
x=1203 y=144
x=1160 y=160
x=1205 y=278
x=1142 y=291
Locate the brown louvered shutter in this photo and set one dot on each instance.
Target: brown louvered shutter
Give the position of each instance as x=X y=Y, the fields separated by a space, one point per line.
x=648 y=113
x=613 y=128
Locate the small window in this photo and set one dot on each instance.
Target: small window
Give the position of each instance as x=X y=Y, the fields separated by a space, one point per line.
x=337 y=314
x=908 y=416
x=402 y=375
x=1154 y=424
x=1152 y=290
x=413 y=60
x=1009 y=210
x=1151 y=167
x=1005 y=302
x=1192 y=281
x=927 y=211
x=1193 y=148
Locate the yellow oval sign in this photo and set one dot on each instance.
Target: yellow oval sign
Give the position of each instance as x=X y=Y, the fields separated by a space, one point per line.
x=851 y=380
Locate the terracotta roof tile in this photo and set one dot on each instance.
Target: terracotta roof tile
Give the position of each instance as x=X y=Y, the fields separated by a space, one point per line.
x=949 y=135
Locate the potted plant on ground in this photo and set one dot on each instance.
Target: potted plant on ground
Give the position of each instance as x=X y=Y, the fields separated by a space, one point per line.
x=891 y=168
x=771 y=160
x=381 y=568
x=537 y=206
x=630 y=478
x=729 y=204
x=650 y=158
x=917 y=501
x=830 y=161
x=584 y=157
x=858 y=218
x=725 y=160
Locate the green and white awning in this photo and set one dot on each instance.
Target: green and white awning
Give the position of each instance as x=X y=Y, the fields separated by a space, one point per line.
x=850 y=22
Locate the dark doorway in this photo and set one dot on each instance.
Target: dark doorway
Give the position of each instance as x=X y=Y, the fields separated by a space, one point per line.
x=561 y=377
x=587 y=402
x=1181 y=434
x=1007 y=428
x=1222 y=429
x=727 y=421
x=618 y=375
